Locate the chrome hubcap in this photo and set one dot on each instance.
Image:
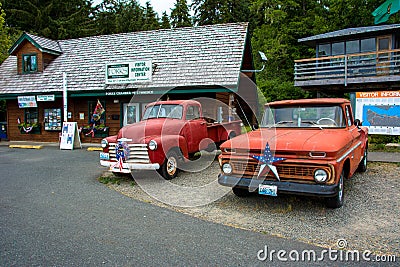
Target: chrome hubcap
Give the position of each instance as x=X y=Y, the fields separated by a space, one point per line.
x=171 y=166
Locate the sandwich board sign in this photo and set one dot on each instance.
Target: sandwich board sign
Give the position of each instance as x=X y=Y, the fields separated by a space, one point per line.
x=70 y=138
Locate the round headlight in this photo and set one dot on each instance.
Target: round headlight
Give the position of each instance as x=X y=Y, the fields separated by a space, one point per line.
x=152 y=145
x=320 y=176
x=104 y=143
x=227 y=168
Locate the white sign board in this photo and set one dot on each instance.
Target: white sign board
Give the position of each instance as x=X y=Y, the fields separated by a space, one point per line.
x=70 y=138
x=45 y=98
x=379 y=111
x=27 y=102
x=129 y=72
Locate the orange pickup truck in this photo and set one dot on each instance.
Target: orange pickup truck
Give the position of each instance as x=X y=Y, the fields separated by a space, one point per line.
x=305 y=147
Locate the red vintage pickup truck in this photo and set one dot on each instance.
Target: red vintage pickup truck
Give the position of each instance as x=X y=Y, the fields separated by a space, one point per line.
x=169 y=134
x=305 y=147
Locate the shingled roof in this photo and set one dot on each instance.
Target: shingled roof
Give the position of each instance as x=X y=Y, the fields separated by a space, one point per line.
x=43 y=44
x=203 y=56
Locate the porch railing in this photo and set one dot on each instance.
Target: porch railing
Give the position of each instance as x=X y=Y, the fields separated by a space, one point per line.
x=347 y=67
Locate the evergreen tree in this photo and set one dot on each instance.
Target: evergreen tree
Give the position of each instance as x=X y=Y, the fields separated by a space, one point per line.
x=165 y=24
x=5 y=42
x=151 y=20
x=208 y=12
x=130 y=17
x=55 y=19
x=180 y=16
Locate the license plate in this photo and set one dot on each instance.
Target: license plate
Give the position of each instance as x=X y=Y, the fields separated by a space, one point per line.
x=104 y=156
x=268 y=190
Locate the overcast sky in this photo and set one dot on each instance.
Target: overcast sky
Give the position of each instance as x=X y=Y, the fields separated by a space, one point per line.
x=159 y=5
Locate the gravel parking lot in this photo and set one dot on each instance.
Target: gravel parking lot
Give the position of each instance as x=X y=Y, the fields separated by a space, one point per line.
x=369 y=219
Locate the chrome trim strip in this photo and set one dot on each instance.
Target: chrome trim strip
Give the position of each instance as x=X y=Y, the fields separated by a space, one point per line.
x=348 y=152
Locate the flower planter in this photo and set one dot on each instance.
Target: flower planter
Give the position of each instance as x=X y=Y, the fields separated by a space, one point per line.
x=28 y=130
x=98 y=133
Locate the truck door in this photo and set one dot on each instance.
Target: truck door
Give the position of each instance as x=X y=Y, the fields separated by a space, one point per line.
x=357 y=138
x=196 y=128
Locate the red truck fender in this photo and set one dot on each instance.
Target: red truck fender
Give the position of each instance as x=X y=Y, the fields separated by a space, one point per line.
x=167 y=143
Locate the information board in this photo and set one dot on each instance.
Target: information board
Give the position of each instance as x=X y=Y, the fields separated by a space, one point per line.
x=379 y=111
x=70 y=138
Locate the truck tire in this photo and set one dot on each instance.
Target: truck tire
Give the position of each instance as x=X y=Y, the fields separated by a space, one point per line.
x=337 y=201
x=241 y=192
x=362 y=167
x=169 y=169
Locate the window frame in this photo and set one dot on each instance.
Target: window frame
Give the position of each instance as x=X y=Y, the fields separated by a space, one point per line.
x=23 y=63
x=30 y=114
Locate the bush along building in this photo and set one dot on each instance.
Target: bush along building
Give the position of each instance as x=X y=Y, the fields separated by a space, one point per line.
x=104 y=82
x=363 y=62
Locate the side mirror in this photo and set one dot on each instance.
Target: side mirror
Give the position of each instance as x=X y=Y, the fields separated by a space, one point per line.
x=357 y=123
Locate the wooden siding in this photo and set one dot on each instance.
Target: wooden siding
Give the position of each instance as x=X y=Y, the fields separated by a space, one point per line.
x=14 y=112
x=28 y=48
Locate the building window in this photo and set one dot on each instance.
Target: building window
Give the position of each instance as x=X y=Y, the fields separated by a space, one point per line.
x=29 y=63
x=368 y=45
x=338 y=48
x=31 y=116
x=352 y=47
x=324 y=50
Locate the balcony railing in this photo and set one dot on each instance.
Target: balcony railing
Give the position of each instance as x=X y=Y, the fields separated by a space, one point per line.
x=382 y=66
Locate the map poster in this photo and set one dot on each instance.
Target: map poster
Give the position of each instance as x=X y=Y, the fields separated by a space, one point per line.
x=379 y=111
x=70 y=138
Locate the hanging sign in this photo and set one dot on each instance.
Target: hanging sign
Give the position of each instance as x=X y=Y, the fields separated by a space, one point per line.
x=45 y=98
x=129 y=72
x=27 y=102
x=70 y=138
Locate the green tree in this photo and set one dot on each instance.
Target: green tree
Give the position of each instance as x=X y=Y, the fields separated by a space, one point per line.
x=165 y=24
x=180 y=16
x=5 y=42
x=151 y=20
x=209 y=12
x=4 y=46
x=55 y=19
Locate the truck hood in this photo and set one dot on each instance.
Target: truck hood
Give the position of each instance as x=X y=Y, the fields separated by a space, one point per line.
x=139 y=131
x=290 y=141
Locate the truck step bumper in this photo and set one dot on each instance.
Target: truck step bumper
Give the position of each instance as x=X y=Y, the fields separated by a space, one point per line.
x=319 y=190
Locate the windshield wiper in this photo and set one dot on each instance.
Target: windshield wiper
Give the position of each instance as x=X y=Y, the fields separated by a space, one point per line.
x=280 y=122
x=313 y=123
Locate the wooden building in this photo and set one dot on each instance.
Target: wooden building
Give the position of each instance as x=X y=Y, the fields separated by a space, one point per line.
x=123 y=72
x=351 y=60
x=363 y=62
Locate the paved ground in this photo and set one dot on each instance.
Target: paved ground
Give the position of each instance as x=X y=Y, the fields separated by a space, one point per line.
x=53 y=212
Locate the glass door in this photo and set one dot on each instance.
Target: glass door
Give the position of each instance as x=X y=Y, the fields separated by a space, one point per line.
x=131 y=113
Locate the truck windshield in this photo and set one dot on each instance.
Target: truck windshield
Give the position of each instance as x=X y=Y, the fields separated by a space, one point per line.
x=304 y=117
x=163 y=111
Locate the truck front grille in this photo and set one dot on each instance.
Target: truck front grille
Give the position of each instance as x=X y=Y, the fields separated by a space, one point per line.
x=138 y=153
x=286 y=171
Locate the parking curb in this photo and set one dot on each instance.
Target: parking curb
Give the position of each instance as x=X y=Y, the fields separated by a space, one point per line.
x=26 y=146
x=94 y=149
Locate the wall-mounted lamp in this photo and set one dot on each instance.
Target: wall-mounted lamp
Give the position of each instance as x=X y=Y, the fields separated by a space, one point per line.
x=264 y=59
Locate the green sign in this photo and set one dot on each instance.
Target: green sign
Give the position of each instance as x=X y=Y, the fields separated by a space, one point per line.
x=129 y=72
